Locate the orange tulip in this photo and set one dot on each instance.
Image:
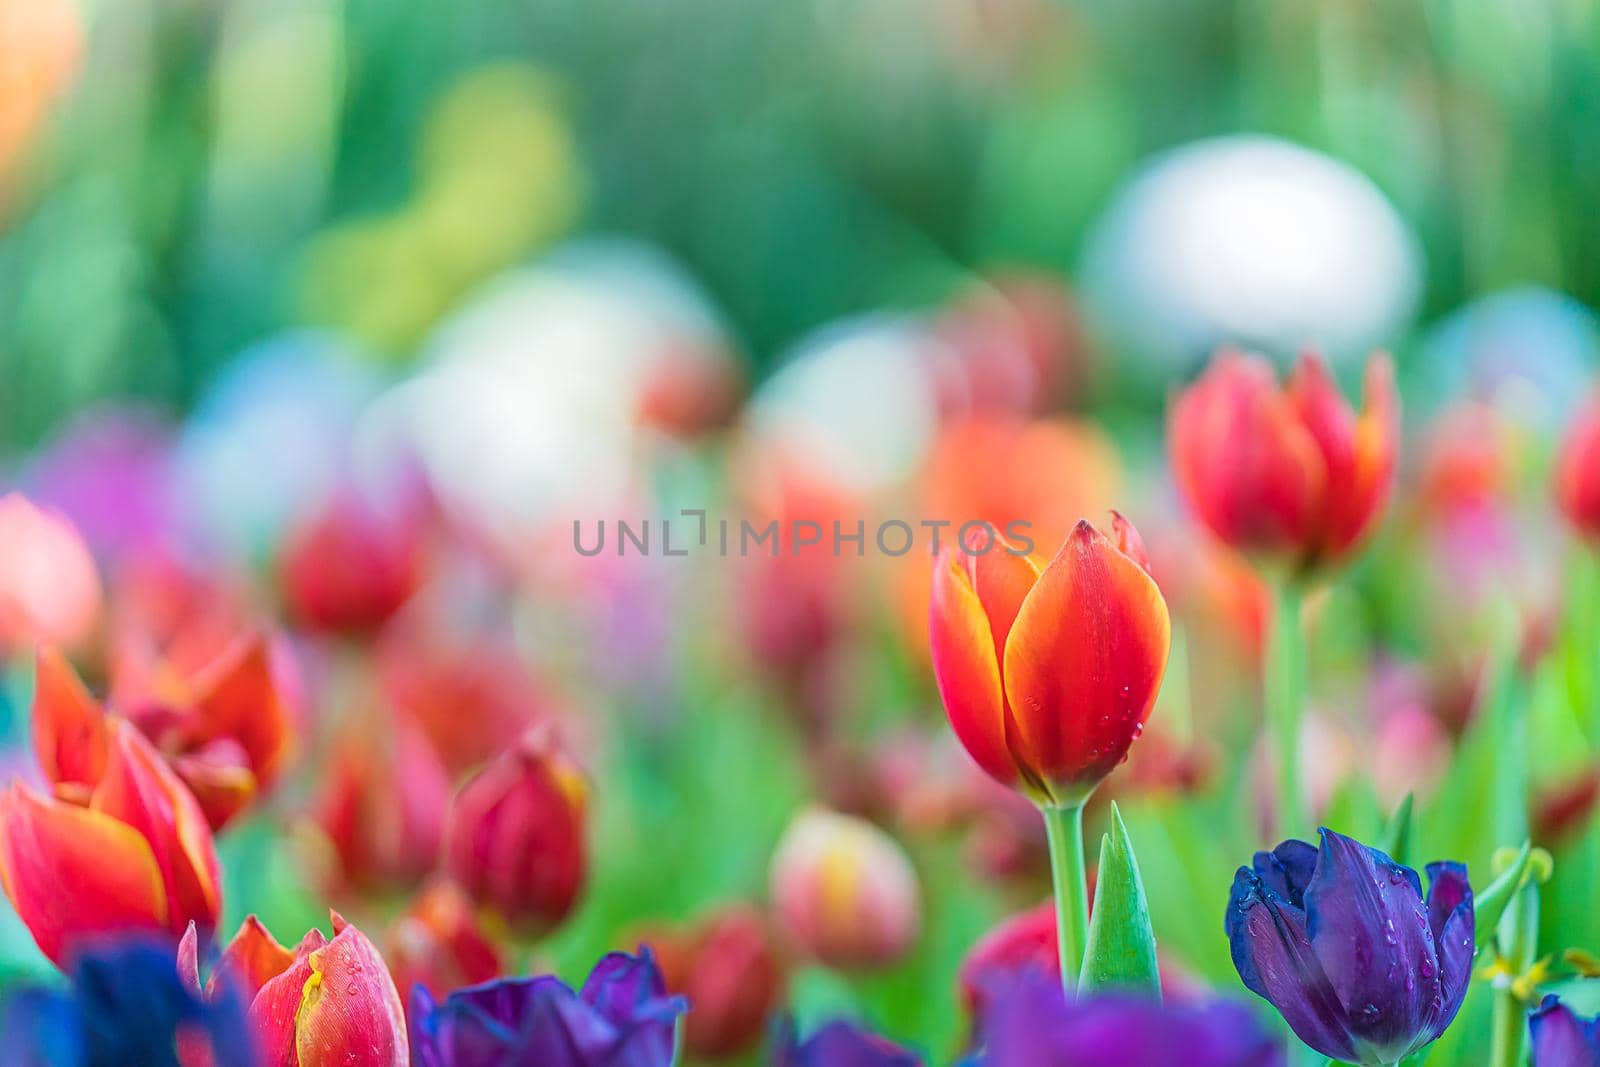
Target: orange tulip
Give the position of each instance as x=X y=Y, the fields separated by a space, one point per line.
x=1048 y=672
x=1578 y=472
x=122 y=845
x=1292 y=474
x=326 y=1003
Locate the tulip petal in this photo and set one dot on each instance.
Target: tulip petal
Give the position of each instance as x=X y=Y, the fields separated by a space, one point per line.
x=1288 y=869
x=239 y=699
x=350 y=1013
x=69 y=726
x=1273 y=954
x=1369 y=927
x=1359 y=454
x=1084 y=662
x=967 y=670
x=72 y=873
x=1561 y=1039
x=140 y=789
x=218 y=774
x=1451 y=917
x=251 y=960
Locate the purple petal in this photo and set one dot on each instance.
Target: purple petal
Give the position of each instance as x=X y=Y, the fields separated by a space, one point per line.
x=1561 y=1039
x=1273 y=955
x=841 y=1044
x=1287 y=869
x=1451 y=918
x=1369 y=928
x=620 y=983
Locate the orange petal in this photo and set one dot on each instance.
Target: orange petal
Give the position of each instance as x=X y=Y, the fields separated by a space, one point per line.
x=140 y=789
x=1374 y=455
x=74 y=874
x=218 y=774
x=69 y=731
x=251 y=960
x=1084 y=663
x=239 y=699
x=967 y=668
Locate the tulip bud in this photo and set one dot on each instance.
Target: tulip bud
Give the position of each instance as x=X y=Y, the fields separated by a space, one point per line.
x=383 y=803
x=439 y=944
x=122 y=845
x=1292 y=474
x=1023 y=944
x=324 y=1004
x=1578 y=472
x=515 y=838
x=1048 y=672
x=49 y=588
x=844 y=892
x=350 y=568
x=728 y=970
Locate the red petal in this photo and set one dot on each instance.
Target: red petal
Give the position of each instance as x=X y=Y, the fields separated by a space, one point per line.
x=141 y=790
x=350 y=1013
x=966 y=667
x=239 y=699
x=1578 y=471
x=1084 y=663
x=69 y=726
x=74 y=874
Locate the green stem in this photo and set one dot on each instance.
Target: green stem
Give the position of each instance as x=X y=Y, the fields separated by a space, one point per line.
x=1064 y=828
x=1519 y=930
x=1285 y=695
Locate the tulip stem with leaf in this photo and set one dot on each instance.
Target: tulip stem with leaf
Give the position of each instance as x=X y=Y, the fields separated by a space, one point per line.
x=1047 y=672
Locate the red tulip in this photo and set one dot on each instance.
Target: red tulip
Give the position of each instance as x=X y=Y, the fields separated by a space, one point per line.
x=844 y=892
x=323 y=1004
x=1048 y=672
x=226 y=730
x=350 y=568
x=1578 y=472
x=122 y=845
x=440 y=945
x=382 y=804
x=1294 y=473
x=1023 y=942
x=728 y=969
x=515 y=840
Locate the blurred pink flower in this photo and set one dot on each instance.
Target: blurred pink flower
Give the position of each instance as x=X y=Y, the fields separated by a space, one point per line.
x=49 y=589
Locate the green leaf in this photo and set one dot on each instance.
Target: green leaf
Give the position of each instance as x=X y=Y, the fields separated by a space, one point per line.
x=1121 y=951
x=1489 y=905
x=1397 y=835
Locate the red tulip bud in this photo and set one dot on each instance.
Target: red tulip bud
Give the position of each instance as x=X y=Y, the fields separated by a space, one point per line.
x=515 y=840
x=728 y=969
x=350 y=568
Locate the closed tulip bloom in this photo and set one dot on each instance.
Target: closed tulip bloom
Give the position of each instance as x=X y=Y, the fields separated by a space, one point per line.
x=844 y=892
x=728 y=970
x=122 y=845
x=515 y=838
x=352 y=565
x=622 y=1017
x=1049 y=672
x=1292 y=473
x=326 y=1003
x=840 y=1044
x=1561 y=1038
x=1578 y=472
x=1309 y=926
x=440 y=944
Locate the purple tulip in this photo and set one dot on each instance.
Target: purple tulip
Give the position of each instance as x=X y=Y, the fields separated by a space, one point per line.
x=1563 y=1039
x=1030 y=1023
x=1340 y=940
x=840 y=1044
x=621 y=1018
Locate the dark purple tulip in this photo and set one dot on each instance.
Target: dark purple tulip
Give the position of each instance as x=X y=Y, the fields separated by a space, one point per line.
x=1563 y=1039
x=840 y=1044
x=621 y=1018
x=1341 y=941
x=1032 y=1024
